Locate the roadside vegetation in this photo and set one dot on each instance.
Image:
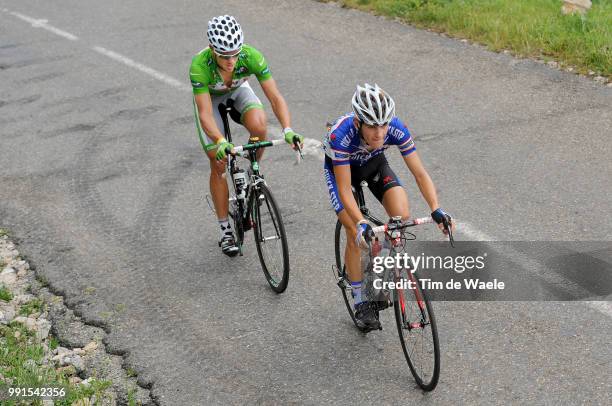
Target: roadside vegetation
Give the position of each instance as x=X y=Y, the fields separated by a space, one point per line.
x=5 y=294
x=534 y=28
x=29 y=356
x=23 y=364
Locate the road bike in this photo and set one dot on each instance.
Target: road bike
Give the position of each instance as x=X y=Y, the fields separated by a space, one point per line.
x=252 y=205
x=414 y=315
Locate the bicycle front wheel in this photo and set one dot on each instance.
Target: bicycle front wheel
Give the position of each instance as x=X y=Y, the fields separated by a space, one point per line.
x=416 y=325
x=270 y=238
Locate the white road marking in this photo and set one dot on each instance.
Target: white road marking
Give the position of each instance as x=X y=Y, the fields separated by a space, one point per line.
x=42 y=23
x=143 y=68
x=473 y=233
x=602 y=305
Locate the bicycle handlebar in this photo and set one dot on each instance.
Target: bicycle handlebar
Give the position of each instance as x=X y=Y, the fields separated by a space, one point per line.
x=255 y=145
x=393 y=226
x=241 y=149
x=410 y=223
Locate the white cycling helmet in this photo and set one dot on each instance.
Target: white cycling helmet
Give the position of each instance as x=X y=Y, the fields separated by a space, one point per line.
x=224 y=34
x=372 y=105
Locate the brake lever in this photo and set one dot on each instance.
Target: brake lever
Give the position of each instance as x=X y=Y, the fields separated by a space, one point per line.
x=296 y=143
x=449 y=229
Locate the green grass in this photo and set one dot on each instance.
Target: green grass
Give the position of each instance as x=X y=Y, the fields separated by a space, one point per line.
x=5 y=294
x=33 y=306
x=3 y=232
x=529 y=28
x=131 y=397
x=15 y=364
x=53 y=343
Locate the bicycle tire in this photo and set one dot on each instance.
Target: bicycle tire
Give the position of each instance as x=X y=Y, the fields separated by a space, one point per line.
x=411 y=298
x=346 y=290
x=269 y=219
x=236 y=217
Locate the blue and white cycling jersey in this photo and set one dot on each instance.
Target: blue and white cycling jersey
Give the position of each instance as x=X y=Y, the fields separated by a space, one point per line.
x=344 y=145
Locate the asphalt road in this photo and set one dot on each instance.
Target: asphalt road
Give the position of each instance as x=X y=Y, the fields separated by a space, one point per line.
x=103 y=182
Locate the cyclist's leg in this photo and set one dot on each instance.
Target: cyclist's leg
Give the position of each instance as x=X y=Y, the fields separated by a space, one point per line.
x=352 y=259
x=217 y=182
x=386 y=187
x=395 y=202
x=251 y=111
x=218 y=185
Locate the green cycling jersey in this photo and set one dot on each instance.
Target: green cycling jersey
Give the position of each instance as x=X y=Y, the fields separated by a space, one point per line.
x=205 y=77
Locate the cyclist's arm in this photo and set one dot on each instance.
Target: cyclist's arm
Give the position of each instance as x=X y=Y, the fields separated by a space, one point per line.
x=279 y=106
x=426 y=185
x=343 y=181
x=205 y=114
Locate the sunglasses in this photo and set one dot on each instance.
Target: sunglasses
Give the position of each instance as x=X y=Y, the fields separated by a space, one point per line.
x=228 y=57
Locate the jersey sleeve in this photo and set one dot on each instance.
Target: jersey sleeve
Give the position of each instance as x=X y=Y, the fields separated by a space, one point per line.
x=258 y=65
x=338 y=143
x=400 y=136
x=199 y=79
x=338 y=154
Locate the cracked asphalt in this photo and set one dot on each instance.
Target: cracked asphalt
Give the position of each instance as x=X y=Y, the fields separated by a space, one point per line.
x=102 y=170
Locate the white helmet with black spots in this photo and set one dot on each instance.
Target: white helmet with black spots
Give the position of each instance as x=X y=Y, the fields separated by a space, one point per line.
x=372 y=105
x=224 y=34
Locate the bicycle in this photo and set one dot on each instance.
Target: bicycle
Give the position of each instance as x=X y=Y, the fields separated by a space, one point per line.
x=252 y=205
x=413 y=311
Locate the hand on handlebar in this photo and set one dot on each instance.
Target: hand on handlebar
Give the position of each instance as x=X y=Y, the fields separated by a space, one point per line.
x=364 y=234
x=223 y=148
x=293 y=138
x=444 y=220
x=445 y=223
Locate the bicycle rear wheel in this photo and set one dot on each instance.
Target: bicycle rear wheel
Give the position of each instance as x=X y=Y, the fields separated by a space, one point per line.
x=270 y=238
x=235 y=214
x=416 y=325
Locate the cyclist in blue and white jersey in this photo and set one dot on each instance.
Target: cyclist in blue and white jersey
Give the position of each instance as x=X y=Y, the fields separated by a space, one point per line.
x=354 y=151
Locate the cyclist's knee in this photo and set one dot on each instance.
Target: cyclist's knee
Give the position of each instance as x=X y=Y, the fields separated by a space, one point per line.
x=258 y=131
x=255 y=122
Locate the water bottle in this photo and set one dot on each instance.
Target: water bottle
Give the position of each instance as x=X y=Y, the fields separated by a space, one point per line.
x=240 y=180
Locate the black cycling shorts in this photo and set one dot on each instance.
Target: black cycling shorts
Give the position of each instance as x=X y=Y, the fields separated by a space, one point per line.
x=376 y=172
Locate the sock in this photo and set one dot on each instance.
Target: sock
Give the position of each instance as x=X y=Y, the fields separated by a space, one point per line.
x=226 y=227
x=356 y=288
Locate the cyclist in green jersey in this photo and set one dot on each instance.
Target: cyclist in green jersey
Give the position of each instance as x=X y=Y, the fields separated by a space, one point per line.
x=219 y=73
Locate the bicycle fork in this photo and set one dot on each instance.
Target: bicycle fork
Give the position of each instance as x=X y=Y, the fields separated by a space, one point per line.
x=420 y=302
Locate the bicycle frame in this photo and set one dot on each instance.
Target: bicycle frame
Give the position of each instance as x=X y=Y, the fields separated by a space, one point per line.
x=360 y=199
x=254 y=174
